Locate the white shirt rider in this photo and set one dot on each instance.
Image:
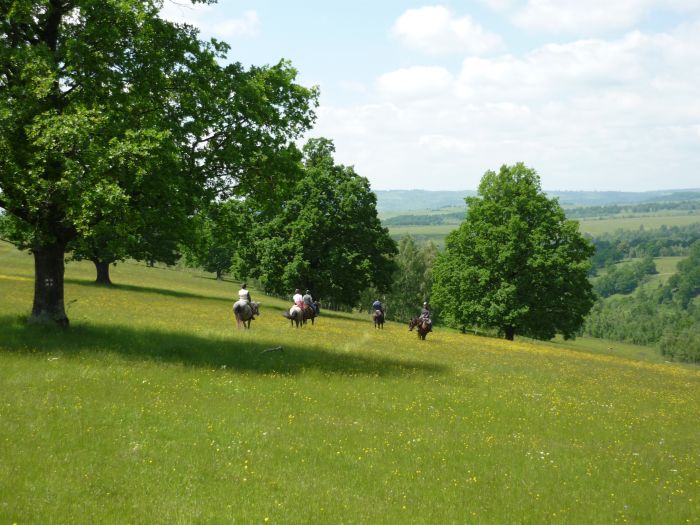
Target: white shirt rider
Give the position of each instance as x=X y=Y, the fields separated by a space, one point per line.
x=244 y=295
x=298 y=299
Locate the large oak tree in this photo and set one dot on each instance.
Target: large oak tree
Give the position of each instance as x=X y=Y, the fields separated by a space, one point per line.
x=516 y=263
x=113 y=120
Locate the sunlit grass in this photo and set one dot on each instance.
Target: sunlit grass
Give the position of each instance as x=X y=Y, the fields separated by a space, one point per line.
x=153 y=407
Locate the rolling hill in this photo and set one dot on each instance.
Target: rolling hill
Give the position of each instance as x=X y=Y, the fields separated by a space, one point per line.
x=154 y=408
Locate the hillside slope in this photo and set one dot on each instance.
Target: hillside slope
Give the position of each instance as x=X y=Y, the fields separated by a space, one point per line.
x=153 y=407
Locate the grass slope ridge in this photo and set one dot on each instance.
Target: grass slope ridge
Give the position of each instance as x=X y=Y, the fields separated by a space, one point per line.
x=154 y=408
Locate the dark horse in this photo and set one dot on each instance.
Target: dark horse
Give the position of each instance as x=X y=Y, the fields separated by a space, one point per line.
x=378 y=318
x=244 y=312
x=309 y=314
x=423 y=326
x=295 y=315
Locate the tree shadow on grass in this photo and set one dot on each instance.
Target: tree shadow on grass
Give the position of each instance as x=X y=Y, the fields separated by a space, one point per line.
x=151 y=290
x=197 y=351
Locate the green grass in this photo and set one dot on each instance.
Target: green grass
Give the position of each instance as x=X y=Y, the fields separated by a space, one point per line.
x=154 y=408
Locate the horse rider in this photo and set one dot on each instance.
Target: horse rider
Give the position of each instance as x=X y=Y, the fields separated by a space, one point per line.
x=309 y=301
x=244 y=294
x=298 y=299
x=425 y=316
x=243 y=298
x=377 y=305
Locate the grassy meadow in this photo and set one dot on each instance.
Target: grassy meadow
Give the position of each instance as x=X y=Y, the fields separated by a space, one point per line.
x=154 y=408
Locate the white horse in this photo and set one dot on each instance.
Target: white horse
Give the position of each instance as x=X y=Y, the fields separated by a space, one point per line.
x=295 y=315
x=245 y=311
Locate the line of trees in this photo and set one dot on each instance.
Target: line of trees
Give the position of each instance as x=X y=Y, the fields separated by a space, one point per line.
x=665 y=241
x=624 y=278
x=645 y=207
x=667 y=317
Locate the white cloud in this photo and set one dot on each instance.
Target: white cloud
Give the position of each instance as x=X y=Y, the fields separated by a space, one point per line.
x=575 y=16
x=205 y=18
x=591 y=114
x=499 y=5
x=415 y=82
x=591 y=16
x=248 y=25
x=436 y=31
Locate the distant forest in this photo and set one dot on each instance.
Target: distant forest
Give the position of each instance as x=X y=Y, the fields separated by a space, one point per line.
x=681 y=201
x=409 y=200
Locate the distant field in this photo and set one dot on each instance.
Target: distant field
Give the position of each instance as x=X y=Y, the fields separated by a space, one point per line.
x=650 y=222
x=440 y=211
x=666 y=267
x=154 y=408
x=438 y=232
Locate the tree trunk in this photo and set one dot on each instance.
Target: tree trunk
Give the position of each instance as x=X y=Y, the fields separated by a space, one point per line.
x=49 y=267
x=102 y=272
x=510 y=332
x=219 y=275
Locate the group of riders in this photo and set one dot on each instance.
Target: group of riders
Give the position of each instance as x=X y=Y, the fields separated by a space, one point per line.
x=424 y=316
x=307 y=301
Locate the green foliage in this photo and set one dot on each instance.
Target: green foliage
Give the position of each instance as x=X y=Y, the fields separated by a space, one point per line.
x=684 y=286
x=516 y=263
x=624 y=278
x=683 y=343
x=412 y=281
x=325 y=235
x=114 y=122
x=661 y=318
x=662 y=242
x=218 y=232
x=631 y=209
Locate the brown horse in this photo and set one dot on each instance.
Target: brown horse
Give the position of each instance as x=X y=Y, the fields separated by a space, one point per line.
x=378 y=318
x=423 y=326
x=244 y=313
x=295 y=315
x=309 y=314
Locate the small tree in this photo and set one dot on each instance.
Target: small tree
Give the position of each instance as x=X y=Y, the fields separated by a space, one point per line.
x=516 y=263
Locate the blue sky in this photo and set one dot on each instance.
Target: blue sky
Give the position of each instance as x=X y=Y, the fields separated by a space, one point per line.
x=593 y=94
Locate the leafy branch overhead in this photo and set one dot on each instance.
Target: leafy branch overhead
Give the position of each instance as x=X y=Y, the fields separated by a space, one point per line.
x=110 y=115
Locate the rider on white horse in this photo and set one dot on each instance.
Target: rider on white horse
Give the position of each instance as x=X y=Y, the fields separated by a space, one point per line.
x=243 y=298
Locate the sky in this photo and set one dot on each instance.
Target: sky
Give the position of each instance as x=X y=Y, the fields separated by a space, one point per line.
x=595 y=95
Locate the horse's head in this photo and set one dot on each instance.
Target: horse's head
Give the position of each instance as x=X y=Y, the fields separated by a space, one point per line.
x=412 y=323
x=255 y=307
